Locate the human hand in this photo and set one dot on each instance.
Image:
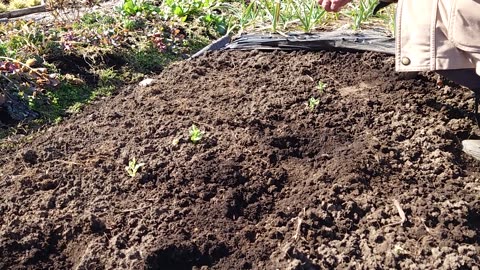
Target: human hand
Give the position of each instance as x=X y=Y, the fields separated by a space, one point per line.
x=333 y=5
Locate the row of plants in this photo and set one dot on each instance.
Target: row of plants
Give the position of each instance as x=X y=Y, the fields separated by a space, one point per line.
x=57 y=67
x=305 y=15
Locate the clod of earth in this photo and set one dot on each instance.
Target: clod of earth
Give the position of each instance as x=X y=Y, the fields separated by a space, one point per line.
x=273 y=186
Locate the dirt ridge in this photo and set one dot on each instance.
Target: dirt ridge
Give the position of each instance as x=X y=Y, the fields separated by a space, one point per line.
x=272 y=185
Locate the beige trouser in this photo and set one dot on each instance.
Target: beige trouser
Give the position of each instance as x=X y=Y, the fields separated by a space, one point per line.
x=438 y=35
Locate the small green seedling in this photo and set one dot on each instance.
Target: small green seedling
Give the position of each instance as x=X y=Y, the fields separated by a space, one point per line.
x=133 y=167
x=195 y=134
x=313 y=103
x=321 y=87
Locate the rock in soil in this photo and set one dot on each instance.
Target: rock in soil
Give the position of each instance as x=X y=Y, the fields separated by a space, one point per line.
x=372 y=177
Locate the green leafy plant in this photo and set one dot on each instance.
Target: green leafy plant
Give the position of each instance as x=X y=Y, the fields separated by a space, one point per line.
x=321 y=87
x=107 y=76
x=195 y=134
x=185 y=10
x=130 y=8
x=272 y=10
x=203 y=14
x=217 y=22
x=134 y=7
x=131 y=25
x=247 y=14
x=361 y=12
x=308 y=12
x=313 y=103
x=133 y=167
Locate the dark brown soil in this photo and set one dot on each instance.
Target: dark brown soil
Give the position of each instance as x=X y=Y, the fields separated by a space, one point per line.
x=271 y=185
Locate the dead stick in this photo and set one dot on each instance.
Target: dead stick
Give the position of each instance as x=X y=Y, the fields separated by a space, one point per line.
x=401 y=213
x=65 y=162
x=299 y=224
x=134 y=209
x=23 y=12
x=299 y=227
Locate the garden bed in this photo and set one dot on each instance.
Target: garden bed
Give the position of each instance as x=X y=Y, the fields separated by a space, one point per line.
x=272 y=184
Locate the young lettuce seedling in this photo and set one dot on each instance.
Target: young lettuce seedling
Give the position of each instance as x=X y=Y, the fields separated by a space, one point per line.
x=313 y=103
x=133 y=167
x=321 y=87
x=195 y=134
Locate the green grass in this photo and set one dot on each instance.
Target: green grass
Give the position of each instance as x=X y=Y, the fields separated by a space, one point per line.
x=57 y=103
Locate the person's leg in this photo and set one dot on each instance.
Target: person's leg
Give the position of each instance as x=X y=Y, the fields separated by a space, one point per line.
x=467 y=78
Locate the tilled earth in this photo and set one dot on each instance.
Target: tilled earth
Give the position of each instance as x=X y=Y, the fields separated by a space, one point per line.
x=271 y=185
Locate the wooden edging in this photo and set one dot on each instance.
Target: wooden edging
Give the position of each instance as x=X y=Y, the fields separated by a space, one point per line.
x=23 y=12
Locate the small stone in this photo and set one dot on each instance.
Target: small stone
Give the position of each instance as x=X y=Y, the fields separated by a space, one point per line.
x=146 y=82
x=472 y=148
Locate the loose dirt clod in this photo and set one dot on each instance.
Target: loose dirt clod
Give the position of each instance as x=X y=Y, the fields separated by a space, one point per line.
x=232 y=200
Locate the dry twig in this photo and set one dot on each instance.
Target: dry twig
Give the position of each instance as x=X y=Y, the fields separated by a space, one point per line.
x=401 y=213
x=299 y=225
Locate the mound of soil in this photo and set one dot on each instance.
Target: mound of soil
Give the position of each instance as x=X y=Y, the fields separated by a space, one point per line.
x=271 y=185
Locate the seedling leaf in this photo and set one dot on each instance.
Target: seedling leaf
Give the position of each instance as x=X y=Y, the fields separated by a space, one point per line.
x=133 y=167
x=195 y=134
x=313 y=103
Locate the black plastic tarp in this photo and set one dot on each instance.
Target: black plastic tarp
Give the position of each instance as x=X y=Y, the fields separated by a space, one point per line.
x=337 y=40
